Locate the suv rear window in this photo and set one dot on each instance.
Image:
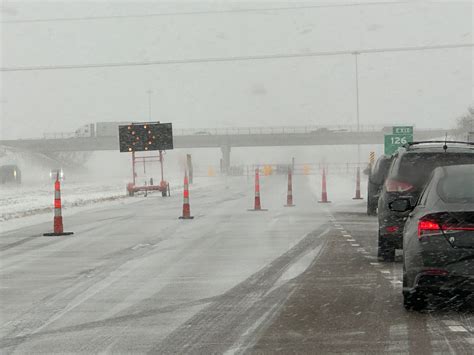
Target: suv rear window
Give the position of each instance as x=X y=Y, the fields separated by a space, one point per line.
x=416 y=168
x=457 y=187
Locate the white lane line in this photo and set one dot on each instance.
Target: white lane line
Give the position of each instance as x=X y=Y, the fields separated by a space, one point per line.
x=450 y=322
x=351 y=240
x=355 y=245
x=375 y=264
x=457 y=328
x=385 y=272
x=347 y=235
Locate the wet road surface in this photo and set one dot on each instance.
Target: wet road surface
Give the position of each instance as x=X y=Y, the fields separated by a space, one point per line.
x=135 y=279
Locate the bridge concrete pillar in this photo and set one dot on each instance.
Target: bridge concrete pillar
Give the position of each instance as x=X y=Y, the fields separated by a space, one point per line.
x=225 y=161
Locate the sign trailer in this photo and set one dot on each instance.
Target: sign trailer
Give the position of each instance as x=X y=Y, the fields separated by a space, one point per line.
x=143 y=137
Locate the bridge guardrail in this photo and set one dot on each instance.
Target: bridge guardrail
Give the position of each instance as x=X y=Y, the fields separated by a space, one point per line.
x=316 y=129
x=276 y=130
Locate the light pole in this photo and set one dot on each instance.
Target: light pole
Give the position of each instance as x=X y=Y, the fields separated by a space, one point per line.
x=357 y=101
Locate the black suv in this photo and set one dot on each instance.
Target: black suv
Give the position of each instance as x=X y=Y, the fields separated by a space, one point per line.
x=408 y=174
x=375 y=182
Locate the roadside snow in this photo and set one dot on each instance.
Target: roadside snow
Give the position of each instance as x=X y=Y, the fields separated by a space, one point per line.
x=24 y=205
x=23 y=200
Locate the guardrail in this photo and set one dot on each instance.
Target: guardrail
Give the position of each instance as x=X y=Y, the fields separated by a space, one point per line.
x=348 y=168
x=279 y=130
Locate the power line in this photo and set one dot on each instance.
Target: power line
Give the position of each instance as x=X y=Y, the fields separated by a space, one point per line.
x=208 y=12
x=232 y=59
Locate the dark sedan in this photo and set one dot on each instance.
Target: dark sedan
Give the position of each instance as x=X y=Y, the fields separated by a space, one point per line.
x=438 y=238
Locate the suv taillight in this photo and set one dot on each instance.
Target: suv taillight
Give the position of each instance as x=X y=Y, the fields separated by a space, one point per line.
x=397 y=186
x=428 y=227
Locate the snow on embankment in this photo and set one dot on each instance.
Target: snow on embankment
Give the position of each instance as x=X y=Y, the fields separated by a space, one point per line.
x=25 y=200
x=35 y=194
x=26 y=205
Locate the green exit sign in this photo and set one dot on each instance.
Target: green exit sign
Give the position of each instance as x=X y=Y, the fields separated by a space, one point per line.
x=401 y=136
x=402 y=130
x=394 y=141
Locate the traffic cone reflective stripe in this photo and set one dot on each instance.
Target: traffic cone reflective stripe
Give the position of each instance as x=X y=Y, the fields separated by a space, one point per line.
x=57 y=204
x=58 y=228
x=186 y=206
x=324 y=193
x=358 y=196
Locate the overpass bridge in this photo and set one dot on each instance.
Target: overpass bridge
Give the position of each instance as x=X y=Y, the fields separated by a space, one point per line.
x=227 y=138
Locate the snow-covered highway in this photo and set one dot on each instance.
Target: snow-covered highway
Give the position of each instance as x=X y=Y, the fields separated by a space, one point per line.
x=135 y=279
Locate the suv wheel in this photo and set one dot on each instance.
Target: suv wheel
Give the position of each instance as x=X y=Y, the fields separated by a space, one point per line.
x=386 y=252
x=371 y=208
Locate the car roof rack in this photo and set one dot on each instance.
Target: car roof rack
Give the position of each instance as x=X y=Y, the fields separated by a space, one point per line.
x=410 y=144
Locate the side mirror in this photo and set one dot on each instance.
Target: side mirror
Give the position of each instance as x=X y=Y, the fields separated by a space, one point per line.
x=401 y=205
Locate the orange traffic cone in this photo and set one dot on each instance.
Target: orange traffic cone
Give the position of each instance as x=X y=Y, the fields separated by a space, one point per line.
x=324 y=193
x=58 y=229
x=186 y=207
x=289 y=196
x=357 y=196
x=257 y=205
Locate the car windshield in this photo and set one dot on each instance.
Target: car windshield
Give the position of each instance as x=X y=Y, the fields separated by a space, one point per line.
x=416 y=168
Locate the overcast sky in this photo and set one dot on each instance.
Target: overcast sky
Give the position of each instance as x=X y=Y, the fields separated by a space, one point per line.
x=426 y=88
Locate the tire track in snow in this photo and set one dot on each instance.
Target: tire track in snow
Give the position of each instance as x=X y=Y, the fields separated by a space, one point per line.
x=219 y=326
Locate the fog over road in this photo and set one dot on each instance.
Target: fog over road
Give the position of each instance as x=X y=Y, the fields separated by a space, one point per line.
x=134 y=278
